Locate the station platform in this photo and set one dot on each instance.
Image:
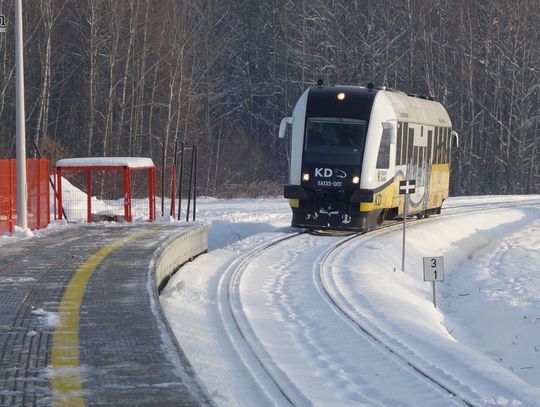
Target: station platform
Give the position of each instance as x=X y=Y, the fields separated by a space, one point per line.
x=81 y=323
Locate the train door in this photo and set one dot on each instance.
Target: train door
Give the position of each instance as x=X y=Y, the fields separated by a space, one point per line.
x=416 y=166
x=427 y=164
x=387 y=152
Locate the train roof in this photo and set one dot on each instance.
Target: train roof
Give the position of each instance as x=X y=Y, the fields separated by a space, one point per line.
x=410 y=108
x=417 y=110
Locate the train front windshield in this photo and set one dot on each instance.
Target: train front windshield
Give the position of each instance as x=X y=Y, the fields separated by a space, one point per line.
x=331 y=140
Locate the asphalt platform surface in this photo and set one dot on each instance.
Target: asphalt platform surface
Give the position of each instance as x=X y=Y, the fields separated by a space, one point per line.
x=80 y=322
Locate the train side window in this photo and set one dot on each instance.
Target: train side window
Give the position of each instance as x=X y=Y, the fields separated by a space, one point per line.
x=383 y=159
x=436 y=155
x=421 y=165
x=404 y=143
x=398 y=143
x=448 y=143
x=410 y=145
x=429 y=145
x=443 y=146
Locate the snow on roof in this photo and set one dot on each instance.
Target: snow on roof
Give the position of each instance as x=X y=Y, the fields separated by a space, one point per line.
x=131 y=162
x=417 y=110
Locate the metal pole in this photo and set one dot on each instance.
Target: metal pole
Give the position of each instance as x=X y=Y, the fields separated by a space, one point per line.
x=180 y=181
x=195 y=182
x=22 y=209
x=151 y=193
x=190 y=183
x=163 y=180
x=89 y=195
x=404 y=227
x=434 y=296
x=173 y=181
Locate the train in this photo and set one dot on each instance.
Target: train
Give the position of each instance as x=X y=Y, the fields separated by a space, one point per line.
x=351 y=146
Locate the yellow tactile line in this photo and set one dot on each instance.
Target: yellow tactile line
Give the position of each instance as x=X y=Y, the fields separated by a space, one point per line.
x=66 y=381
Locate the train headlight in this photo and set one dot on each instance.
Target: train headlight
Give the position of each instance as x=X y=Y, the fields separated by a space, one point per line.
x=305 y=176
x=356 y=180
x=341 y=96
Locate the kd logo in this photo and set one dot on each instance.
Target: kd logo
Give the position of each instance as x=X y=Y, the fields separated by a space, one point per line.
x=323 y=172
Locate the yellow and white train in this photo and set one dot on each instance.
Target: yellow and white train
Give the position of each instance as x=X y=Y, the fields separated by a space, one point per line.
x=350 y=148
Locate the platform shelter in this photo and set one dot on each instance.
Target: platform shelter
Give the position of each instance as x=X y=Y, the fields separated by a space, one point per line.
x=116 y=176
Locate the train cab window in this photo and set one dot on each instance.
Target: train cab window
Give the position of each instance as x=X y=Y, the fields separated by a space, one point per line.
x=444 y=149
x=442 y=145
x=334 y=140
x=383 y=158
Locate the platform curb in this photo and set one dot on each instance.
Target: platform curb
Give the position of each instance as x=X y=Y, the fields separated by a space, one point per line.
x=166 y=261
x=178 y=251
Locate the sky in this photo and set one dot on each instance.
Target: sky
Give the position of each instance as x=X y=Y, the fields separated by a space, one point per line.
x=328 y=320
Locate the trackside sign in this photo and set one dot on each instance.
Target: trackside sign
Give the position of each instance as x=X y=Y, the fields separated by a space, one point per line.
x=2 y=23
x=433 y=268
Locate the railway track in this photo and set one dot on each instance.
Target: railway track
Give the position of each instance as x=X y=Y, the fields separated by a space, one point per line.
x=482 y=207
x=329 y=289
x=273 y=382
x=268 y=373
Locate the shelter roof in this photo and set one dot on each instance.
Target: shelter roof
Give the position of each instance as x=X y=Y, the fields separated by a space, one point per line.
x=131 y=162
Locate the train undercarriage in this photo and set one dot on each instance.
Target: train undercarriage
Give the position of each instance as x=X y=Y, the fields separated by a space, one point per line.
x=338 y=210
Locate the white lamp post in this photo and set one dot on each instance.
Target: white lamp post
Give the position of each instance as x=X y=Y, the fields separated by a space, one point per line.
x=22 y=215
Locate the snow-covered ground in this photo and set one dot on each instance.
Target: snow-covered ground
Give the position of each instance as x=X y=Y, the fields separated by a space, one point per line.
x=482 y=342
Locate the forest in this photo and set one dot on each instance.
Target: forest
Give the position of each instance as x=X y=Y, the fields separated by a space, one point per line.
x=139 y=77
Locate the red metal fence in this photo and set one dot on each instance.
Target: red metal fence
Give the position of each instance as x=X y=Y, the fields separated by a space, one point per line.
x=37 y=175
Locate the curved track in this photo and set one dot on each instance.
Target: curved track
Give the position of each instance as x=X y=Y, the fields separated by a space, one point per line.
x=261 y=366
x=472 y=207
x=274 y=381
x=276 y=261
x=329 y=289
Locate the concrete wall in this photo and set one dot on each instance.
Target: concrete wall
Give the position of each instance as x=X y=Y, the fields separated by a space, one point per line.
x=180 y=250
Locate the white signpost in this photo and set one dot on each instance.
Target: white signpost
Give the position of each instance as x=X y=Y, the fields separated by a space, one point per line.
x=434 y=271
x=406 y=187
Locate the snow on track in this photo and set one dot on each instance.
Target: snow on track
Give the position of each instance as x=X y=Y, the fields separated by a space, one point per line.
x=480 y=342
x=266 y=374
x=329 y=359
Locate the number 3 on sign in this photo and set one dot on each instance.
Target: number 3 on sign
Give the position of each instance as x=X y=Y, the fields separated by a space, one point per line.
x=433 y=269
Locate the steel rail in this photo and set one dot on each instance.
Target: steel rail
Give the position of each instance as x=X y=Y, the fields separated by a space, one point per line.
x=358 y=321
x=256 y=359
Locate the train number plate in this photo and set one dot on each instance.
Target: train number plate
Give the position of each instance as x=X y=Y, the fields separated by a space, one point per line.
x=326 y=183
